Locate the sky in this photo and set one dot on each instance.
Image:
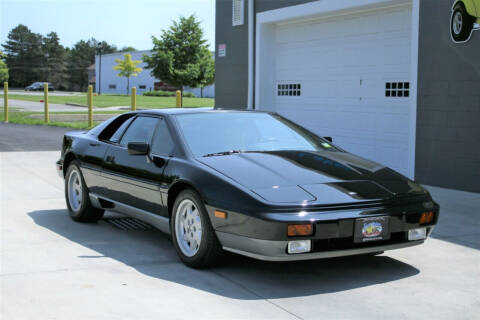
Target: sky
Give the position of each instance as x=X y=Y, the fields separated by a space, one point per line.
x=120 y=22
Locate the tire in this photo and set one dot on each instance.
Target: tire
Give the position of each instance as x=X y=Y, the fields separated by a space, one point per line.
x=188 y=215
x=76 y=195
x=461 y=23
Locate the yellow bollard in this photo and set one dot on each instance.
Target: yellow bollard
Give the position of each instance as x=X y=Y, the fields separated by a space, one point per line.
x=45 y=102
x=179 y=99
x=5 y=101
x=134 y=98
x=90 y=106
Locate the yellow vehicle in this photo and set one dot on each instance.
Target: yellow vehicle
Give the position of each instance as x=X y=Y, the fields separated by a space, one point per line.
x=465 y=19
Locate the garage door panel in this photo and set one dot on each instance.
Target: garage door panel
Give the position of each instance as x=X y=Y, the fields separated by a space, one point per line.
x=343 y=65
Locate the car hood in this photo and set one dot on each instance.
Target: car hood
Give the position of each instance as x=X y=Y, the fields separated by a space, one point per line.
x=328 y=177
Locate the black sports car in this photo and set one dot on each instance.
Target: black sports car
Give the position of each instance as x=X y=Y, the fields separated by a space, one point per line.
x=248 y=182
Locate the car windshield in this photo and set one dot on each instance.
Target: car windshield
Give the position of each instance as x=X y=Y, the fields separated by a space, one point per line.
x=231 y=132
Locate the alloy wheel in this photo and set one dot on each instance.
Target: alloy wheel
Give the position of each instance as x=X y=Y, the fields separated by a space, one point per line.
x=75 y=190
x=188 y=228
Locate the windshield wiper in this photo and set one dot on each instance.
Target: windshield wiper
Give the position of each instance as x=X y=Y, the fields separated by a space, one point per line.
x=223 y=153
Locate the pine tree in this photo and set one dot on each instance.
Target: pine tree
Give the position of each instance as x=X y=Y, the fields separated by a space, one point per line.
x=80 y=57
x=55 y=64
x=24 y=56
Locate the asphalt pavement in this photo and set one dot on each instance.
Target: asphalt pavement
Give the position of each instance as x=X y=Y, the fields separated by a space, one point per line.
x=54 y=268
x=37 y=106
x=18 y=137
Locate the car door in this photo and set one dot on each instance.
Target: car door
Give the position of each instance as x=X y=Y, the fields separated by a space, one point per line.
x=135 y=180
x=93 y=154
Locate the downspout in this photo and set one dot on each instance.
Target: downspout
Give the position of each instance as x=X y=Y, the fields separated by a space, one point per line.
x=251 y=29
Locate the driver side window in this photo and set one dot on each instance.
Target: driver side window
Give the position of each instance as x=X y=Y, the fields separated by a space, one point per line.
x=141 y=130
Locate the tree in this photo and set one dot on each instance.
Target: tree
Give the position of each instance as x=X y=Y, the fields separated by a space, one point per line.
x=3 y=69
x=179 y=57
x=81 y=56
x=55 y=63
x=128 y=68
x=24 y=56
x=207 y=70
x=127 y=49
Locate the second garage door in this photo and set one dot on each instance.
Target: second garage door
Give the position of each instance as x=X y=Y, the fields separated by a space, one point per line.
x=348 y=77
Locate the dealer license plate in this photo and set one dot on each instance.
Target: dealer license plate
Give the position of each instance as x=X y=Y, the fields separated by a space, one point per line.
x=372 y=229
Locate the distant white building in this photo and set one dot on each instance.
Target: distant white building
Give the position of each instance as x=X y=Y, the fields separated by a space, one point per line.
x=107 y=80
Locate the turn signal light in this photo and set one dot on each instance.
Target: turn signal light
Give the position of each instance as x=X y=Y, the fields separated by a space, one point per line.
x=426 y=217
x=300 y=230
x=220 y=214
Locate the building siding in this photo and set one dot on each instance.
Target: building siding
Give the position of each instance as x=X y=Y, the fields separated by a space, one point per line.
x=231 y=71
x=109 y=76
x=448 y=112
x=144 y=78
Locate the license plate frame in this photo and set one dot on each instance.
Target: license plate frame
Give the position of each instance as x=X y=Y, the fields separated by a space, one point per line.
x=372 y=229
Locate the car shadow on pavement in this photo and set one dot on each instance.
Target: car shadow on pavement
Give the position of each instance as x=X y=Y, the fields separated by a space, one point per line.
x=151 y=253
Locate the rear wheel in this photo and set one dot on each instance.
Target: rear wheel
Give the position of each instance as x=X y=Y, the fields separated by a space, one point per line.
x=461 y=24
x=192 y=232
x=76 y=195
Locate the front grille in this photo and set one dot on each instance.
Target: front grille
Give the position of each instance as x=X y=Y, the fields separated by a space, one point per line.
x=322 y=245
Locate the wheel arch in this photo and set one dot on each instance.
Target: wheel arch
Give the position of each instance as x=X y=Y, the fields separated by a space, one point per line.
x=175 y=190
x=69 y=157
x=469 y=6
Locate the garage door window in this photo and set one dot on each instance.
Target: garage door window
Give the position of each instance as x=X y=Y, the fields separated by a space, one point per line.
x=397 y=89
x=289 y=89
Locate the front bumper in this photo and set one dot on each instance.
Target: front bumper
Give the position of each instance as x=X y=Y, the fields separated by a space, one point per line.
x=266 y=238
x=269 y=250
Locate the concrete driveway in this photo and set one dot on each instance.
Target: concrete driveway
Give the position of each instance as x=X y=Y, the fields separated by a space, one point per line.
x=54 y=268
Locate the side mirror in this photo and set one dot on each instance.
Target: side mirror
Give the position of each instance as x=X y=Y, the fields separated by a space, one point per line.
x=138 y=148
x=329 y=139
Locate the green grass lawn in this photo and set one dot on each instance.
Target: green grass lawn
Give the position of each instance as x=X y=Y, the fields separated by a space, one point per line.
x=110 y=100
x=23 y=118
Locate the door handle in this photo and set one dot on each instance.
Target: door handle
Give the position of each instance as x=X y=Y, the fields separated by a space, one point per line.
x=94 y=144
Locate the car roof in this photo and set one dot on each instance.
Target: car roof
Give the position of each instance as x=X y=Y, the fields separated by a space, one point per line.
x=176 y=111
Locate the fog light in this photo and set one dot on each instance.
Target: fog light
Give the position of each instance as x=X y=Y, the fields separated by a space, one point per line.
x=417 y=234
x=299 y=246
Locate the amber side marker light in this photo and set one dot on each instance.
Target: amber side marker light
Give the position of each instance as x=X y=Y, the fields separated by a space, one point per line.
x=220 y=214
x=426 y=217
x=300 y=230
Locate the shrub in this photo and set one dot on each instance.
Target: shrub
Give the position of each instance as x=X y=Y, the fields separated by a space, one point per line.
x=161 y=93
x=187 y=94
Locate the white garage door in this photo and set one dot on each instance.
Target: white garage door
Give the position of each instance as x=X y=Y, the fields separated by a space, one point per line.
x=348 y=77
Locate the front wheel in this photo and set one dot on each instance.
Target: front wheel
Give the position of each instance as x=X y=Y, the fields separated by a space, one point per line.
x=76 y=194
x=192 y=232
x=461 y=24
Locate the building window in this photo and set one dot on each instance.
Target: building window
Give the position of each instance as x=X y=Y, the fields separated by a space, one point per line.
x=289 y=89
x=112 y=86
x=397 y=89
x=142 y=86
x=237 y=12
